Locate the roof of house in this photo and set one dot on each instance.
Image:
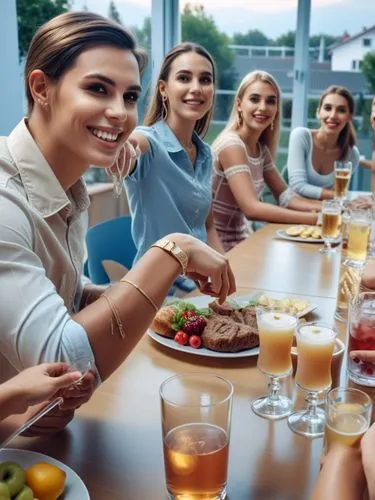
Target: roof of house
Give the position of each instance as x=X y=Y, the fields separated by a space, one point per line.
x=349 y=39
x=320 y=76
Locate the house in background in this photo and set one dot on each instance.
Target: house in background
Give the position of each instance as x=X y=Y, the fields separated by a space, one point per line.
x=348 y=54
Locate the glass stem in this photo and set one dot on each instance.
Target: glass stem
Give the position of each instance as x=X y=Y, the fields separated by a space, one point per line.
x=312 y=404
x=274 y=389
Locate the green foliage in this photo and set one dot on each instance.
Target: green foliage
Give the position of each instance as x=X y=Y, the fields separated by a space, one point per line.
x=32 y=14
x=143 y=35
x=329 y=40
x=368 y=70
x=113 y=13
x=287 y=39
x=199 y=27
x=252 y=37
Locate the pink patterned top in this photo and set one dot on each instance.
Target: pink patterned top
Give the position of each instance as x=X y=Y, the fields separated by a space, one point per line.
x=230 y=222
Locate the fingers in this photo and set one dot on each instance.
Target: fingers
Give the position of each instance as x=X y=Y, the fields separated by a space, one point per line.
x=67 y=379
x=55 y=369
x=363 y=355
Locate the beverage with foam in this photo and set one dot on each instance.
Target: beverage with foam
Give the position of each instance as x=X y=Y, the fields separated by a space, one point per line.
x=276 y=331
x=315 y=346
x=196 y=461
x=331 y=224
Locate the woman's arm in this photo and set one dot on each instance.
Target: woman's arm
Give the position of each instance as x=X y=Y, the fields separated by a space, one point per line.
x=212 y=237
x=299 y=154
x=243 y=189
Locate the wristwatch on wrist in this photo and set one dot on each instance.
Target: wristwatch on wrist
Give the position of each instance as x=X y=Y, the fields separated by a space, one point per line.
x=174 y=250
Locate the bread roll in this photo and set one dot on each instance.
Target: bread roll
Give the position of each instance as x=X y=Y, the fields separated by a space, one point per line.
x=162 y=322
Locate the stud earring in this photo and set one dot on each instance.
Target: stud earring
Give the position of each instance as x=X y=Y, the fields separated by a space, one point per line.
x=164 y=114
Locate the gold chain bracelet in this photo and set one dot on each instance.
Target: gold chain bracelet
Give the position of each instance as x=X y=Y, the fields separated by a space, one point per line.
x=145 y=295
x=115 y=315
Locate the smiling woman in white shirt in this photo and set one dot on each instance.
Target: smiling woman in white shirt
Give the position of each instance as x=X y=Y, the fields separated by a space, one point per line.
x=312 y=153
x=82 y=80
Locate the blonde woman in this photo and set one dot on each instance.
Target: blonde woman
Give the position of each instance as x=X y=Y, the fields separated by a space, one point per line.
x=244 y=163
x=312 y=153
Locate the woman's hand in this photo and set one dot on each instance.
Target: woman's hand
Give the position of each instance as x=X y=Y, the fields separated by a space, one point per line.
x=368 y=459
x=368 y=356
x=206 y=266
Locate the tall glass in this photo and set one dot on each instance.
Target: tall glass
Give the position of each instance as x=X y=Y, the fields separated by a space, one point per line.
x=315 y=345
x=331 y=215
x=196 y=415
x=276 y=330
x=348 y=416
x=358 y=236
x=348 y=287
x=343 y=172
x=361 y=328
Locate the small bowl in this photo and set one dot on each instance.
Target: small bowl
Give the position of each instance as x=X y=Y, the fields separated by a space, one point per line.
x=336 y=363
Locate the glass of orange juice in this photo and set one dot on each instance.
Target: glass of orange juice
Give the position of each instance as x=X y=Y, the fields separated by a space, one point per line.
x=348 y=416
x=276 y=330
x=196 y=415
x=315 y=345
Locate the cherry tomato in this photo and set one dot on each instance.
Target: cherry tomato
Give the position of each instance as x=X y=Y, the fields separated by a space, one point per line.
x=195 y=341
x=181 y=338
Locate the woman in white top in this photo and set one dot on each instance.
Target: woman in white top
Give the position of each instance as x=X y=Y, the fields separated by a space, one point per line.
x=312 y=153
x=244 y=162
x=82 y=78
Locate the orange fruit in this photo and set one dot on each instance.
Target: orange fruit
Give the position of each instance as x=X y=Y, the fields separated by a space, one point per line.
x=46 y=480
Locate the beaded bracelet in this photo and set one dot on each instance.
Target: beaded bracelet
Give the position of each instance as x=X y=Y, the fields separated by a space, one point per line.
x=145 y=295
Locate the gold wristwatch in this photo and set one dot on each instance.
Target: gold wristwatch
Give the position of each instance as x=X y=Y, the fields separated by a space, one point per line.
x=176 y=252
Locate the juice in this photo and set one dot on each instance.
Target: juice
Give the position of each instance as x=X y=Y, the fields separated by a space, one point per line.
x=315 y=346
x=362 y=337
x=276 y=331
x=342 y=183
x=196 y=461
x=331 y=224
x=346 y=425
x=358 y=238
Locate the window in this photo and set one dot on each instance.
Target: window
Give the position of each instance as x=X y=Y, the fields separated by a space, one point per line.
x=366 y=42
x=354 y=64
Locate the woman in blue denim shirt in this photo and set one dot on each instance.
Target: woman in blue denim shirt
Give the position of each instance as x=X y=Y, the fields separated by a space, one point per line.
x=169 y=188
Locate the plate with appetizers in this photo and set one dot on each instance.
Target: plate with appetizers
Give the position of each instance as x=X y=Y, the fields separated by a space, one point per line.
x=226 y=330
x=302 y=233
x=74 y=487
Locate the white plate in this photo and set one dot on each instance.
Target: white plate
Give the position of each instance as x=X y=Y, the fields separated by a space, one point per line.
x=202 y=301
x=74 y=486
x=282 y=234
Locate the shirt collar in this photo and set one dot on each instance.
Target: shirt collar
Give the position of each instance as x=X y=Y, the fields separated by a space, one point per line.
x=170 y=141
x=43 y=190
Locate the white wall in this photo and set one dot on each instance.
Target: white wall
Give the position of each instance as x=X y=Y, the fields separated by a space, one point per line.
x=344 y=55
x=11 y=90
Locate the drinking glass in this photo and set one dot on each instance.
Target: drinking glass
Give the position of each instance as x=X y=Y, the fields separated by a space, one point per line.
x=331 y=215
x=348 y=287
x=361 y=328
x=315 y=345
x=371 y=245
x=358 y=236
x=348 y=416
x=196 y=415
x=276 y=330
x=343 y=172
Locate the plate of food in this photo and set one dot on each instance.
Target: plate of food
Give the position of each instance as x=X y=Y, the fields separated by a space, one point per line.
x=203 y=327
x=302 y=233
x=63 y=482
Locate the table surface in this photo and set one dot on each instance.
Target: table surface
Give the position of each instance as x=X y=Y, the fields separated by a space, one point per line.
x=114 y=442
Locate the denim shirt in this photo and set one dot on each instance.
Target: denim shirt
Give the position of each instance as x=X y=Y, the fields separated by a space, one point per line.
x=166 y=192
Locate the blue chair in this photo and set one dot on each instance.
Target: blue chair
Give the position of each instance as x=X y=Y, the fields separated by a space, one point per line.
x=109 y=240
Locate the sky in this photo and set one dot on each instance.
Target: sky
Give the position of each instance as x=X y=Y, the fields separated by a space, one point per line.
x=272 y=17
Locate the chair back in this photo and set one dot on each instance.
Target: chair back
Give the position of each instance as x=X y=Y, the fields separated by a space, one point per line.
x=109 y=240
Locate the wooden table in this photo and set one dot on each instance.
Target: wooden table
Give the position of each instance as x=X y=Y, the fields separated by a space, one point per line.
x=114 y=443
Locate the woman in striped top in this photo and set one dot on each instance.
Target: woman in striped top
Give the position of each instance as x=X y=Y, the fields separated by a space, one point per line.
x=243 y=165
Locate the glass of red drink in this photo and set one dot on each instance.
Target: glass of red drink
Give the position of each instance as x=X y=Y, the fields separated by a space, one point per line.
x=361 y=328
x=196 y=413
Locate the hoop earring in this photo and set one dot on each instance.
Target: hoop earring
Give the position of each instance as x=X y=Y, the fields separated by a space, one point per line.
x=271 y=126
x=164 y=114
x=239 y=118
x=120 y=170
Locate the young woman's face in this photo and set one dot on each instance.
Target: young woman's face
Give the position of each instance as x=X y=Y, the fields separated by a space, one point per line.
x=93 y=107
x=190 y=87
x=258 y=105
x=334 y=113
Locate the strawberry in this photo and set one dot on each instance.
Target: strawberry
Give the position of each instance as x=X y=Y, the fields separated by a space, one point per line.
x=195 y=325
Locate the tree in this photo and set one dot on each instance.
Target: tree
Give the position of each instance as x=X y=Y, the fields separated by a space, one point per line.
x=199 y=27
x=31 y=15
x=143 y=35
x=113 y=13
x=329 y=40
x=368 y=70
x=252 y=37
x=287 y=39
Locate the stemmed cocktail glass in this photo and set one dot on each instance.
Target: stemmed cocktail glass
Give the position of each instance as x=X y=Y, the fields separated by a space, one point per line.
x=276 y=331
x=315 y=345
